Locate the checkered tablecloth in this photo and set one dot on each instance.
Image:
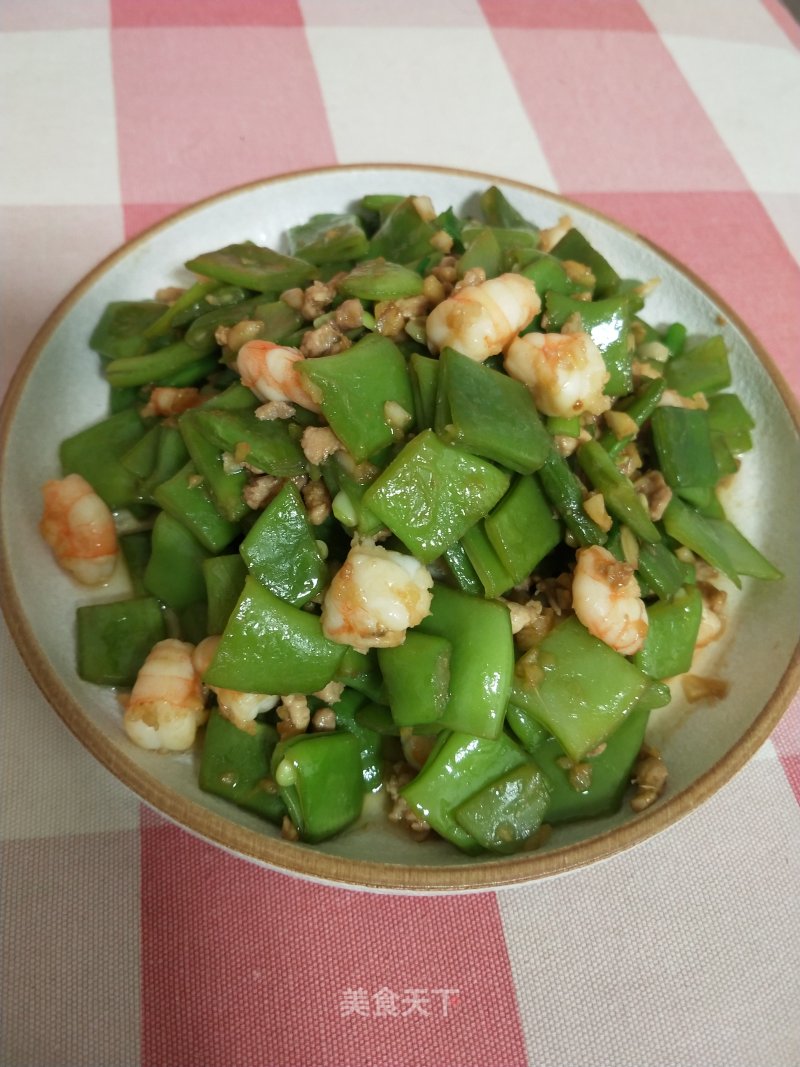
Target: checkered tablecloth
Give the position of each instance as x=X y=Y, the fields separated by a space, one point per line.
x=127 y=941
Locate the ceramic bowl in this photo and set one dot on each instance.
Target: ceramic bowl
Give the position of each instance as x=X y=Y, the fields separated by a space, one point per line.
x=59 y=389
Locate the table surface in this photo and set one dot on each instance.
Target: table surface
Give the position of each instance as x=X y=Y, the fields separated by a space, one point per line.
x=127 y=941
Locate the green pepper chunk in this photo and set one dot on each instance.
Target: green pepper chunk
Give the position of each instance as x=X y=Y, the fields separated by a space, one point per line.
x=494 y=576
x=728 y=418
x=270 y=646
x=505 y=814
x=522 y=529
x=225 y=489
x=432 y=493
x=498 y=211
x=270 y=445
x=610 y=773
x=662 y=571
x=490 y=414
x=96 y=454
x=577 y=687
x=160 y=367
x=320 y=781
x=235 y=765
x=702 y=369
x=378 y=279
x=424 y=375
x=191 y=505
x=460 y=567
x=484 y=252
x=135 y=548
x=481 y=662
x=574 y=246
x=682 y=438
x=639 y=408
x=224 y=577
x=403 y=236
x=281 y=551
x=174 y=572
x=549 y=275
x=566 y=494
x=115 y=639
x=354 y=388
x=458 y=767
x=360 y=671
x=621 y=499
x=328 y=239
x=121 y=331
x=171 y=455
x=671 y=634
x=527 y=730
x=745 y=557
x=417 y=678
x=253 y=267
x=346 y=710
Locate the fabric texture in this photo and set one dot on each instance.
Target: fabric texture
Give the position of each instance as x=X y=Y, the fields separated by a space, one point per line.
x=127 y=941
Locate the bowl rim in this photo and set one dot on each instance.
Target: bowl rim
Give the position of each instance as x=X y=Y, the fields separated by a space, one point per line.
x=302 y=860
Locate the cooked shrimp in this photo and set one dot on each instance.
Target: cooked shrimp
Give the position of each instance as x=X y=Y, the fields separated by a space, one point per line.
x=166 y=705
x=375 y=596
x=480 y=320
x=167 y=400
x=606 y=599
x=269 y=370
x=79 y=528
x=564 y=371
x=239 y=708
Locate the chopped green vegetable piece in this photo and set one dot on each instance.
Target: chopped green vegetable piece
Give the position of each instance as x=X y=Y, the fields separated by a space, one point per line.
x=490 y=414
x=584 y=689
x=121 y=330
x=494 y=576
x=253 y=267
x=191 y=296
x=522 y=529
x=607 y=322
x=282 y=552
x=505 y=814
x=96 y=454
x=159 y=367
x=688 y=527
x=482 y=660
x=456 y=770
x=671 y=634
x=621 y=499
x=224 y=577
x=574 y=246
x=191 y=505
x=499 y=212
x=682 y=438
x=346 y=710
x=354 y=389
x=115 y=639
x=527 y=730
x=236 y=765
x=270 y=646
x=566 y=495
x=174 y=572
x=268 y=444
x=320 y=781
x=225 y=489
x=403 y=236
x=328 y=239
x=377 y=279
x=417 y=678
x=432 y=493
x=702 y=369
x=610 y=773
x=463 y=572
x=662 y=571
x=424 y=375
x=483 y=252
x=135 y=549
x=360 y=671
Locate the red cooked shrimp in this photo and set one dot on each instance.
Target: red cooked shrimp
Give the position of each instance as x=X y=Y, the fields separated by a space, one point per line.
x=166 y=705
x=167 y=400
x=271 y=371
x=606 y=598
x=79 y=528
x=374 y=598
x=481 y=320
x=565 y=372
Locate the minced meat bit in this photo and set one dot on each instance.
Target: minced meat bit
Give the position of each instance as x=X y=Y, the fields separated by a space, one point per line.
x=697 y=688
x=326 y=340
x=317 y=297
x=650 y=778
x=319 y=443
x=656 y=491
x=400 y=812
x=274 y=409
x=293 y=714
x=258 y=493
x=317 y=500
x=349 y=315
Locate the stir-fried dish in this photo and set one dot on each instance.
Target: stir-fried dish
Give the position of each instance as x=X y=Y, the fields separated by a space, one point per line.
x=421 y=505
